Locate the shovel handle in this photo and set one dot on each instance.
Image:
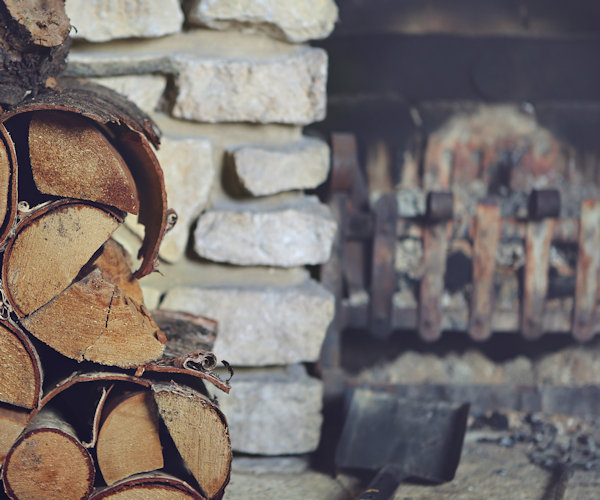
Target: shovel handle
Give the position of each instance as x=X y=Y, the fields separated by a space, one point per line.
x=384 y=484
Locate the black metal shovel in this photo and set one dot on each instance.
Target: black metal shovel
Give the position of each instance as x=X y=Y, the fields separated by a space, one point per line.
x=401 y=439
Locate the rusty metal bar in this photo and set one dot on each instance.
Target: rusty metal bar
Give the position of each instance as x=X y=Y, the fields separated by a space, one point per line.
x=383 y=274
x=535 y=280
x=585 y=316
x=485 y=246
x=435 y=249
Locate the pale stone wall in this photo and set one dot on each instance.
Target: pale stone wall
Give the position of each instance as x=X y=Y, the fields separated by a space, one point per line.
x=232 y=94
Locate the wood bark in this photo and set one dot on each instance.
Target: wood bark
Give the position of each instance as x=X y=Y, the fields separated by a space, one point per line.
x=200 y=433
x=128 y=441
x=33 y=46
x=158 y=486
x=48 y=462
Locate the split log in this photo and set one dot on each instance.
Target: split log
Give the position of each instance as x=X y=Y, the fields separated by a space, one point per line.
x=20 y=368
x=48 y=462
x=92 y=319
x=157 y=486
x=128 y=441
x=12 y=422
x=116 y=264
x=49 y=249
x=200 y=433
x=72 y=158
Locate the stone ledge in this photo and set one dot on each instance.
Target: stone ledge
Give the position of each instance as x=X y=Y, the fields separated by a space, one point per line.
x=286 y=19
x=261 y=326
x=269 y=170
x=276 y=411
x=101 y=20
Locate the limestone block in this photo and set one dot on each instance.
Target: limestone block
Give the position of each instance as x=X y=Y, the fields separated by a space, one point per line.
x=189 y=171
x=261 y=326
x=274 y=412
x=144 y=90
x=299 y=234
x=268 y=170
x=102 y=20
x=288 y=19
x=288 y=89
x=221 y=76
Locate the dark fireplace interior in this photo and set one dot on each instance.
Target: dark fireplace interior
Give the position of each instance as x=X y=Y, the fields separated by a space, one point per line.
x=466 y=183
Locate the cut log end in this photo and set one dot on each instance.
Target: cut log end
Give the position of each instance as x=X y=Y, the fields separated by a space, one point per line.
x=200 y=433
x=48 y=462
x=50 y=248
x=20 y=369
x=128 y=442
x=12 y=422
x=71 y=157
x=94 y=320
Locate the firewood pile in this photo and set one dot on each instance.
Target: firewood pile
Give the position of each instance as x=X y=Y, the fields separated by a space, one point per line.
x=98 y=398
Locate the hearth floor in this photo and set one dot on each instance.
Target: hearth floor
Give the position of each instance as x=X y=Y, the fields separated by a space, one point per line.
x=490 y=468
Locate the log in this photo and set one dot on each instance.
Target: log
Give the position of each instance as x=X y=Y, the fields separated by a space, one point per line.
x=185 y=332
x=132 y=133
x=200 y=433
x=8 y=184
x=158 y=486
x=49 y=249
x=72 y=158
x=116 y=264
x=94 y=320
x=12 y=422
x=20 y=368
x=34 y=46
x=128 y=441
x=48 y=462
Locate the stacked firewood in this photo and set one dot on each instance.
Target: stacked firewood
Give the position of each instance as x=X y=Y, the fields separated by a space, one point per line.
x=134 y=420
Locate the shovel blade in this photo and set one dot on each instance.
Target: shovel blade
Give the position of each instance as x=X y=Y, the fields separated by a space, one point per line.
x=423 y=438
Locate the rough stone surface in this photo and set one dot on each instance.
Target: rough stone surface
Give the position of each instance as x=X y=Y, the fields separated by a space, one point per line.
x=274 y=412
x=189 y=171
x=287 y=19
x=101 y=20
x=221 y=76
x=299 y=234
x=189 y=175
x=144 y=90
x=287 y=89
x=268 y=170
x=261 y=326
